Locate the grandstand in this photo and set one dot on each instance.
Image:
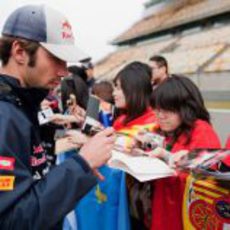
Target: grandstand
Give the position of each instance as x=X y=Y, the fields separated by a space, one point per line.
x=193 y=35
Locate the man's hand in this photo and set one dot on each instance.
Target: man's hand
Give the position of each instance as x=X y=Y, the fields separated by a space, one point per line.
x=77 y=137
x=97 y=151
x=64 y=144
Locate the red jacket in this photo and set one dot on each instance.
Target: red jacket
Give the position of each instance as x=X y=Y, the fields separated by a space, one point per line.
x=147 y=121
x=226 y=161
x=168 y=192
x=147 y=118
x=202 y=136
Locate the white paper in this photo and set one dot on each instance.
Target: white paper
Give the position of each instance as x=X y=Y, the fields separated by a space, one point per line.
x=143 y=168
x=44 y=116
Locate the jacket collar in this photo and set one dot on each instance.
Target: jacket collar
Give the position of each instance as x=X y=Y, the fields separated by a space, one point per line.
x=30 y=96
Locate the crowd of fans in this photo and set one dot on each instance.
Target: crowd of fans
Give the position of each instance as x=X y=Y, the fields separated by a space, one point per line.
x=48 y=167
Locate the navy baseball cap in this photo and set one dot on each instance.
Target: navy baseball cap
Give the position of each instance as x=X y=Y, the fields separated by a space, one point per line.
x=47 y=26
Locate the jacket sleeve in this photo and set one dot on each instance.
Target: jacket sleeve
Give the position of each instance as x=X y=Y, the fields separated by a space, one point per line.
x=26 y=203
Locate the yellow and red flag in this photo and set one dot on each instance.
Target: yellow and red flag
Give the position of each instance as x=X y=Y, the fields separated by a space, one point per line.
x=206 y=205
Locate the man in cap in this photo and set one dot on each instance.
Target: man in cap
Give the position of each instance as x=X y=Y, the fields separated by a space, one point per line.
x=84 y=70
x=35 y=46
x=159 y=66
x=89 y=69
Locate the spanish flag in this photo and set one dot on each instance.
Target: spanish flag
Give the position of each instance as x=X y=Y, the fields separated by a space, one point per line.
x=206 y=204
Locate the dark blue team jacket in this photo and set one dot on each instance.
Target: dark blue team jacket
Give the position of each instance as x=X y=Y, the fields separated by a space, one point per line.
x=32 y=196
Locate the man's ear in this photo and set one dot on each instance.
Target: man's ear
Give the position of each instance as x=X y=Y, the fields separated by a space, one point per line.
x=164 y=69
x=18 y=53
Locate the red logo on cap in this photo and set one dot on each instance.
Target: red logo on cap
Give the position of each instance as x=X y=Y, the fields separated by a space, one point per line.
x=66 y=30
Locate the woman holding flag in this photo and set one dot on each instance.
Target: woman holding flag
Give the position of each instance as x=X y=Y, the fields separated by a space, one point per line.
x=185 y=122
x=132 y=94
x=106 y=205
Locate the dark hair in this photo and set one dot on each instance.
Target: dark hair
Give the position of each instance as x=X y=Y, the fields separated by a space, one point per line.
x=76 y=86
x=136 y=85
x=6 y=45
x=160 y=60
x=103 y=90
x=78 y=70
x=179 y=94
x=87 y=65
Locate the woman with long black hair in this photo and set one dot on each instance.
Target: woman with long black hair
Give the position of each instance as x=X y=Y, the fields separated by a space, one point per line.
x=132 y=94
